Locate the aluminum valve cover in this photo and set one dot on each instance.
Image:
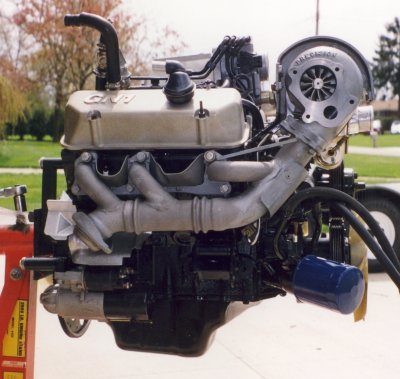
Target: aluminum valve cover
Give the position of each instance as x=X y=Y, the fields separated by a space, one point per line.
x=143 y=119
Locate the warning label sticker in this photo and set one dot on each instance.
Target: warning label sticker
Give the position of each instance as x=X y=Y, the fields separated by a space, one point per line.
x=13 y=375
x=14 y=340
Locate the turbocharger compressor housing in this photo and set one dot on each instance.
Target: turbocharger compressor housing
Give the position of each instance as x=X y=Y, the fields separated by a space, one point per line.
x=320 y=83
x=325 y=86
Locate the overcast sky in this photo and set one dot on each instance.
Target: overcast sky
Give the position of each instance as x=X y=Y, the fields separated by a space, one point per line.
x=273 y=24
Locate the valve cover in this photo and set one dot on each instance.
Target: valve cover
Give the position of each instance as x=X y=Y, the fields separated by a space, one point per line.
x=145 y=119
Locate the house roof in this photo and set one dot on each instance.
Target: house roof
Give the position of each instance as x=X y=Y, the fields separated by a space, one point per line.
x=385 y=105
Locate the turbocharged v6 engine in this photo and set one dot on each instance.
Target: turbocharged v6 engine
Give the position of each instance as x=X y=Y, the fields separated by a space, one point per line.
x=183 y=197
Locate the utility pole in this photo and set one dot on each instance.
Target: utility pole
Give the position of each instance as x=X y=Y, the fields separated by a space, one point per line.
x=317 y=20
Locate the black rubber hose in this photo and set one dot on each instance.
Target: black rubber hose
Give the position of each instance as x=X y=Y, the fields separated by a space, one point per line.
x=213 y=61
x=109 y=36
x=249 y=106
x=369 y=240
x=330 y=194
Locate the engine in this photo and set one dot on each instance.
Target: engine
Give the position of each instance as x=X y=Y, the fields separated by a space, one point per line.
x=182 y=198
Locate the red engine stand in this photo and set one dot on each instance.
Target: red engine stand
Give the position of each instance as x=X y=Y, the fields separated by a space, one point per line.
x=17 y=306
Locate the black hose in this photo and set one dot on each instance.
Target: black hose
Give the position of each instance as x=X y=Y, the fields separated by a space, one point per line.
x=369 y=240
x=316 y=213
x=258 y=121
x=108 y=35
x=213 y=61
x=331 y=194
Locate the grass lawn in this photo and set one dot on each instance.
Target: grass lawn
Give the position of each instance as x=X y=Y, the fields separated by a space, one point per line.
x=371 y=169
x=14 y=153
x=374 y=166
x=26 y=153
x=384 y=140
x=34 y=184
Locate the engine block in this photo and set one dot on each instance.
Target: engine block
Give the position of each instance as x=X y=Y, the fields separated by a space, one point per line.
x=182 y=198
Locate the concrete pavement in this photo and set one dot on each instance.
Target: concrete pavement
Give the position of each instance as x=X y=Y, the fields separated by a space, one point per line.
x=276 y=339
x=380 y=151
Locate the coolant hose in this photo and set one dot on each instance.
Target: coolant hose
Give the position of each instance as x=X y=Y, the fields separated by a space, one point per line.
x=258 y=121
x=331 y=194
x=369 y=241
x=109 y=36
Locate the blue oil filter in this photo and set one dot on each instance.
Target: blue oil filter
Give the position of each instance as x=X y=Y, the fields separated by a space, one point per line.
x=329 y=284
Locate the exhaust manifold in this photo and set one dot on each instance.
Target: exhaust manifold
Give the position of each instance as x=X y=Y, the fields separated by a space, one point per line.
x=159 y=211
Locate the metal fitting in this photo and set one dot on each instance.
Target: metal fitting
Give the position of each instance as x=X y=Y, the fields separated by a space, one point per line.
x=75 y=189
x=210 y=156
x=141 y=156
x=86 y=157
x=225 y=188
x=16 y=274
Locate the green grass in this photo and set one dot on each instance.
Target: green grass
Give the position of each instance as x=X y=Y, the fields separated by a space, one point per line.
x=26 y=153
x=374 y=166
x=371 y=169
x=384 y=140
x=34 y=184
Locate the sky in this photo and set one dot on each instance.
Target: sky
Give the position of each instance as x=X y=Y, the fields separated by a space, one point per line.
x=273 y=24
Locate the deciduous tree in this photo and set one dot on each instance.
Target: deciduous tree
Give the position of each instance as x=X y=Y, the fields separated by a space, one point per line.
x=12 y=104
x=60 y=60
x=386 y=66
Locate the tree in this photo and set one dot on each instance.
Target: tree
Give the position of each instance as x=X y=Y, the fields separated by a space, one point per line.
x=12 y=105
x=61 y=59
x=38 y=124
x=386 y=66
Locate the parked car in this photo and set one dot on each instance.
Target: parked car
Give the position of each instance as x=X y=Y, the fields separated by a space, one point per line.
x=395 y=127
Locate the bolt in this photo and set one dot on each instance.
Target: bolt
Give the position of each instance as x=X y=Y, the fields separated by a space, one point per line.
x=129 y=187
x=75 y=189
x=210 y=156
x=141 y=156
x=86 y=157
x=225 y=188
x=16 y=274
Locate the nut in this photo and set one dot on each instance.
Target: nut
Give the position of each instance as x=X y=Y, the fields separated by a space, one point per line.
x=16 y=274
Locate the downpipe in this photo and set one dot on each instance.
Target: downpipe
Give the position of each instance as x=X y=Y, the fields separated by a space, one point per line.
x=159 y=211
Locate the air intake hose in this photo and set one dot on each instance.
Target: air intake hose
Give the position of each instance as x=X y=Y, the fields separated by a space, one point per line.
x=109 y=37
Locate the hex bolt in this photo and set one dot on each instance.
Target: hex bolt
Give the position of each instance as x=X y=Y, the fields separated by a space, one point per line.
x=141 y=156
x=209 y=156
x=225 y=188
x=16 y=274
x=129 y=187
x=86 y=157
